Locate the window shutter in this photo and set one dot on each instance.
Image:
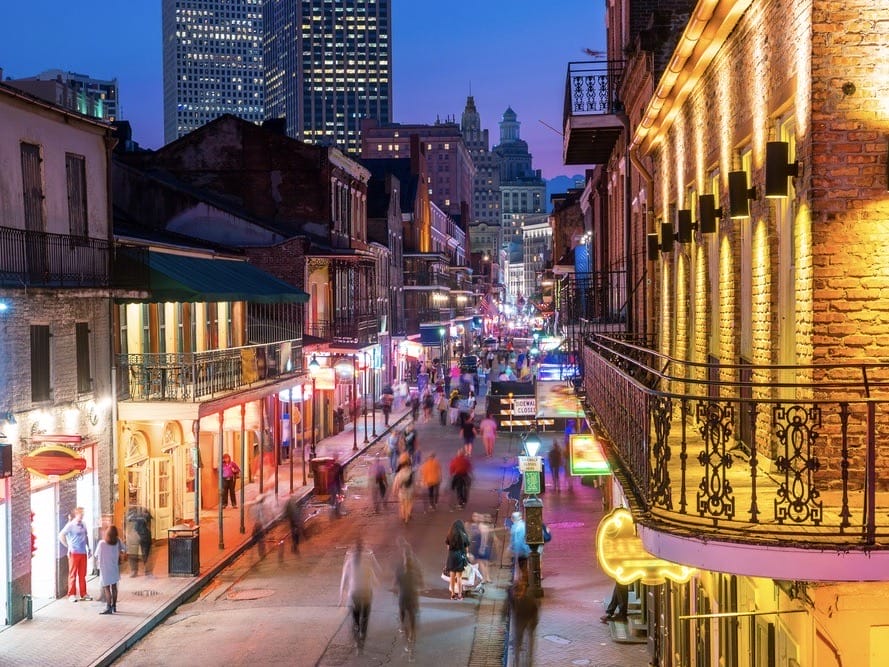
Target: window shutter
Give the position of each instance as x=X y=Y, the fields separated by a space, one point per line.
x=40 y=385
x=84 y=379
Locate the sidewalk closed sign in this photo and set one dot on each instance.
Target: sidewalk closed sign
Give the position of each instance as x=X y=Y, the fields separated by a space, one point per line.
x=524 y=407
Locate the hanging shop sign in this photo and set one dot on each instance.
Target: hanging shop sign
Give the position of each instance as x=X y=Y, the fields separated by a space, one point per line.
x=622 y=556
x=586 y=456
x=54 y=461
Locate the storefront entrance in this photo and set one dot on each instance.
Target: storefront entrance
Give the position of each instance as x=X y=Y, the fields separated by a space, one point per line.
x=44 y=561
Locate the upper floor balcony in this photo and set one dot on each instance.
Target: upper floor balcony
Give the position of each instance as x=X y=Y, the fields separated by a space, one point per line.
x=594 y=300
x=41 y=259
x=197 y=376
x=591 y=116
x=771 y=471
x=360 y=330
x=427 y=279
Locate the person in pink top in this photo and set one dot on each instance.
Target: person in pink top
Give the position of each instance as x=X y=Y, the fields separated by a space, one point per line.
x=488 y=429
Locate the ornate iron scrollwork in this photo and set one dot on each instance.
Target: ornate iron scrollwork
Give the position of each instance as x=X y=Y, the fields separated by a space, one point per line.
x=797 y=430
x=661 y=413
x=715 y=497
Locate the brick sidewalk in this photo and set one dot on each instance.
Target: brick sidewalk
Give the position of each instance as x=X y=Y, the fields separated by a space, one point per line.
x=65 y=633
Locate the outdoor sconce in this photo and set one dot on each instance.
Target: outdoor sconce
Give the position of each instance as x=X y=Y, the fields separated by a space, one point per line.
x=739 y=195
x=654 y=247
x=686 y=226
x=709 y=214
x=778 y=168
x=666 y=237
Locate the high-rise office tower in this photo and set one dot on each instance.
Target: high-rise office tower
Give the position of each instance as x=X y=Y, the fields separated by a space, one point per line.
x=212 y=62
x=77 y=92
x=328 y=66
x=522 y=188
x=484 y=228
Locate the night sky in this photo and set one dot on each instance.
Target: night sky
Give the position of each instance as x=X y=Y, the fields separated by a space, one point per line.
x=511 y=52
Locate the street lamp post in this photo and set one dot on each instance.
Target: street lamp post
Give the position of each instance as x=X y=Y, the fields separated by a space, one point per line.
x=373 y=396
x=355 y=403
x=313 y=370
x=533 y=512
x=364 y=399
x=302 y=440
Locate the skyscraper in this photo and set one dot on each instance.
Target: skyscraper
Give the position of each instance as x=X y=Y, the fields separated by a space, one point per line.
x=212 y=62
x=328 y=65
x=484 y=228
x=522 y=188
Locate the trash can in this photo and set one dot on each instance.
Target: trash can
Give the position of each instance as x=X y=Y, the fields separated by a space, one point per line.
x=183 y=551
x=321 y=472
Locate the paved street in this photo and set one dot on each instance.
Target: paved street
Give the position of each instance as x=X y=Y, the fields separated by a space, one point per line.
x=283 y=608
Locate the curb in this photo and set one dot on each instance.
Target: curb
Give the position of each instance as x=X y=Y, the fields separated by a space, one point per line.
x=204 y=579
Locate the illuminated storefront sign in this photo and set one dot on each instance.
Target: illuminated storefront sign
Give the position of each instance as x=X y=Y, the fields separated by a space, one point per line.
x=621 y=555
x=585 y=455
x=54 y=461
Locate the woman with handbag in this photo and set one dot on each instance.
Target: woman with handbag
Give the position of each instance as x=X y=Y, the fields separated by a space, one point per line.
x=458 y=557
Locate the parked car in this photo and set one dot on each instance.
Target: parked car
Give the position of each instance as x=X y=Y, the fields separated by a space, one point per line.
x=469 y=363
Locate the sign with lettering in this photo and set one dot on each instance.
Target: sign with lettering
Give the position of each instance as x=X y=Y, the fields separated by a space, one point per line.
x=586 y=456
x=524 y=406
x=532 y=482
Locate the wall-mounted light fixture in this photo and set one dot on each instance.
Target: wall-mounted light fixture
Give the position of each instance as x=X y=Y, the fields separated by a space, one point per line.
x=685 y=225
x=667 y=236
x=654 y=247
x=709 y=214
x=739 y=195
x=8 y=417
x=778 y=168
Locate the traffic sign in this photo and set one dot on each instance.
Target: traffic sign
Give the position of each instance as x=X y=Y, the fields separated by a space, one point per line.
x=530 y=464
x=524 y=406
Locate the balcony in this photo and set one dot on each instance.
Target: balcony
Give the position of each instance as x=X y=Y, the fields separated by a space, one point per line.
x=196 y=376
x=359 y=330
x=427 y=279
x=591 y=121
x=40 y=259
x=596 y=300
x=784 y=459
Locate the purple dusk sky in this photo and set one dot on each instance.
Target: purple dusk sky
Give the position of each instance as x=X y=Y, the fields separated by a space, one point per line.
x=512 y=53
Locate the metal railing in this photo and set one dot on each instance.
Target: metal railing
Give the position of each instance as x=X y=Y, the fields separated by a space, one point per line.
x=193 y=376
x=357 y=330
x=591 y=87
x=41 y=259
x=784 y=454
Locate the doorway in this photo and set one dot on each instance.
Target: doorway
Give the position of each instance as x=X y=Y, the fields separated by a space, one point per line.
x=44 y=561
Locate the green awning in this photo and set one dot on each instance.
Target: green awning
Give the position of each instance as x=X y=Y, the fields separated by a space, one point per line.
x=184 y=278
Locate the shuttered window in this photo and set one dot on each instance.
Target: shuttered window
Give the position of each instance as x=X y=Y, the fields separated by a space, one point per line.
x=84 y=374
x=40 y=364
x=75 y=170
x=32 y=188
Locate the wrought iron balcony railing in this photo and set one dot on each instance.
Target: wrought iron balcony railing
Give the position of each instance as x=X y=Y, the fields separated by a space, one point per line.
x=780 y=454
x=41 y=259
x=427 y=279
x=197 y=375
x=591 y=121
x=595 y=298
x=357 y=330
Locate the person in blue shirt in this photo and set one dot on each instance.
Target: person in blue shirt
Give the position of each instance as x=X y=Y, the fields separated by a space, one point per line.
x=74 y=536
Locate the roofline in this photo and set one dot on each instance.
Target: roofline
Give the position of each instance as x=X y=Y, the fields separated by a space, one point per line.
x=49 y=106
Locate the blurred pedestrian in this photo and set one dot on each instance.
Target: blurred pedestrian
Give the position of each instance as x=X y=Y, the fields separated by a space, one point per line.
x=138 y=532
x=109 y=552
x=555 y=463
x=518 y=546
x=408 y=582
x=257 y=513
x=430 y=473
x=481 y=539
x=617 y=606
x=360 y=576
x=453 y=406
x=379 y=482
x=74 y=536
x=458 y=558
x=461 y=477
x=428 y=404
x=415 y=405
x=387 y=399
x=296 y=519
x=442 y=406
x=230 y=473
x=403 y=487
x=469 y=431
x=524 y=610
x=488 y=429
